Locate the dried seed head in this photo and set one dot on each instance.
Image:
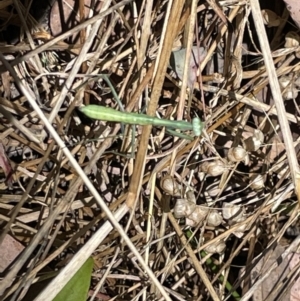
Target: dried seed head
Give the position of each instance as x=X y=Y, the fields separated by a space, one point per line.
x=232 y=212
x=288 y=88
x=257 y=182
x=239 y=232
x=292 y=39
x=214 y=168
x=217 y=247
x=170 y=186
x=235 y=214
x=180 y=208
x=183 y=208
x=191 y=196
x=196 y=216
x=237 y=154
x=214 y=219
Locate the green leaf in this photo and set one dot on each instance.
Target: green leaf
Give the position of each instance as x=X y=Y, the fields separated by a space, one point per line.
x=77 y=288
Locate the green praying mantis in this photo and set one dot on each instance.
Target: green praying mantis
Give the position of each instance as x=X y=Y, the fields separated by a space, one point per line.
x=109 y=114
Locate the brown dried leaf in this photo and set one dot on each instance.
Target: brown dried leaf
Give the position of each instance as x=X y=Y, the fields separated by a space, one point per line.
x=9 y=250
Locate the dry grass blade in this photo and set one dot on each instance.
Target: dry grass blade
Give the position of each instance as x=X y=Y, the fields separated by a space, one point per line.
x=172 y=22
x=276 y=92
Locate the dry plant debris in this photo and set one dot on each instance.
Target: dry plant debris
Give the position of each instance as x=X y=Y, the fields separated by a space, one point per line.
x=164 y=216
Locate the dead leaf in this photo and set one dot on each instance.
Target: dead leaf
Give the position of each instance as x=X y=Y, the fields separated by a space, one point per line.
x=9 y=250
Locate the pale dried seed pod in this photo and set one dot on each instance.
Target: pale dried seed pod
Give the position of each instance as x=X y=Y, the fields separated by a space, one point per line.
x=217 y=247
x=191 y=196
x=197 y=216
x=170 y=186
x=288 y=88
x=240 y=230
x=214 y=219
x=237 y=154
x=214 y=168
x=235 y=214
x=257 y=182
x=190 y=208
x=232 y=212
x=292 y=39
x=190 y=223
x=191 y=219
x=180 y=208
x=183 y=208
